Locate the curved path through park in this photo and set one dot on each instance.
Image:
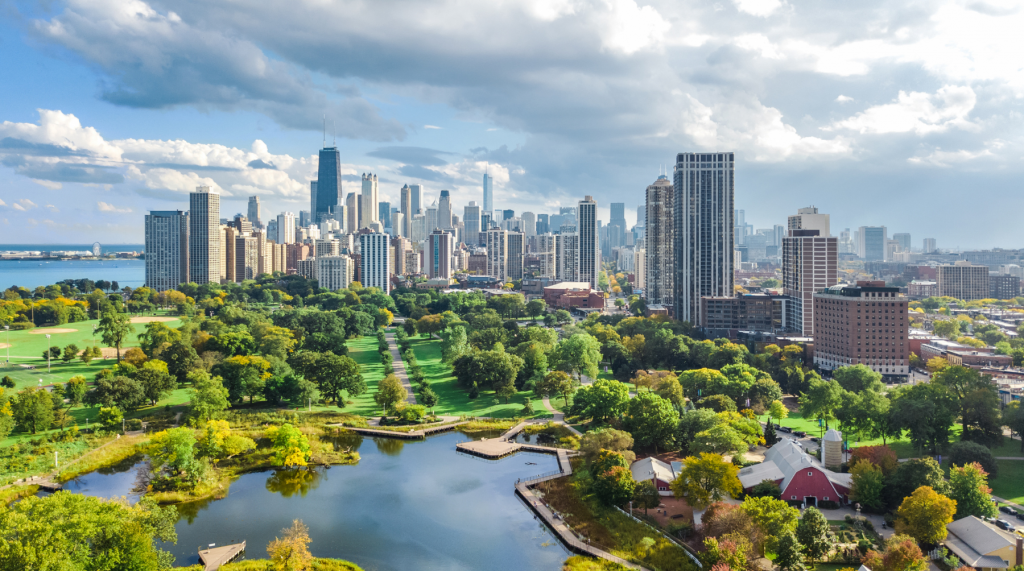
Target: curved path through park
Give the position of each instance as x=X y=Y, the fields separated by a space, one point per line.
x=399 y=366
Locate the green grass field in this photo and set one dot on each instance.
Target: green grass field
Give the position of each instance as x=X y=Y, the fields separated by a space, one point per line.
x=32 y=343
x=1009 y=484
x=59 y=371
x=363 y=351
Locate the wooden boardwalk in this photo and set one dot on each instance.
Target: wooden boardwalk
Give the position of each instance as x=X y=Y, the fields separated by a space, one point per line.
x=214 y=557
x=410 y=435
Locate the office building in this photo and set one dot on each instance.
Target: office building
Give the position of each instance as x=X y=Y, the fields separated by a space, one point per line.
x=439 y=255
x=740 y=227
x=304 y=218
x=486 y=222
x=369 y=212
x=497 y=250
x=405 y=206
x=488 y=203
x=514 y=252
x=903 y=239
x=866 y=324
x=543 y=227
x=418 y=228
x=444 y=211
x=963 y=280
x=416 y=197
x=703 y=230
x=398 y=224
x=471 y=218
x=384 y=214
x=431 y=217
x=1000 y=286
x=810 y=219
x=254 y=212
x=335 y=272
x=871 y=242
x=328 y=183
x=659 y=242
x=929 y=246
x=641 y=215
x=375 y=261
x=589 y=257
x=530 y=223
x=166 y=249
x=810 y=263
x=285 y=228
x=204 y=236
x=310 y=216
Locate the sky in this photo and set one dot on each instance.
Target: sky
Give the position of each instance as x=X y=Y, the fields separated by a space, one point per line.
x=906 y=114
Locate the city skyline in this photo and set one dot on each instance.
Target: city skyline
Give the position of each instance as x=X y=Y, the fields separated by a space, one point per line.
x=894 y=107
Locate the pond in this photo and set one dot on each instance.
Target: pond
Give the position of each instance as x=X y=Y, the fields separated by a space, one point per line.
x=406 y=505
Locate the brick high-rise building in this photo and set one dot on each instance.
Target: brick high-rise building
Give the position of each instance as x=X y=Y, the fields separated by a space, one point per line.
x=866 y=324
x=963 y=280
x=809 y=264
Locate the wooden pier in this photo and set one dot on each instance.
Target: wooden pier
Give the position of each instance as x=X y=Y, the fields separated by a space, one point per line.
x=410 y=435
x=214 y=557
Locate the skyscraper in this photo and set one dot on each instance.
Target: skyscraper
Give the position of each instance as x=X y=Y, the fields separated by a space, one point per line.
x=929 y=245
x=589 y=259
x=514 y=243
x=660 y=240
x=488 y=193
x=352 y=214
x=617 y=225
x=254 y=212
x=384 y=214
x=810 y=219
x=416 y=198
x=704 y=233
x=543 y=227
x=286 y=228
x=311 y=215
x=530 y=223
x=903 y=239
x=871 y=242
x=431 y=217
x=439 y=255
x=471 y=218
x=567 y=250
x=497 y=250
x=369 y=199
x=809 y=264
x=508 y=213
x=546 y=255
x=328 y=183
x=375 y=261
x=641 y=215
x=334 y=272
x=166 y=249
x=444 y=211
x=405 y=206
x=204 y=245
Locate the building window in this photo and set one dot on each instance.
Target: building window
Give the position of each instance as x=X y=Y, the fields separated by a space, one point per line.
x=792 y=497
x=810 y=474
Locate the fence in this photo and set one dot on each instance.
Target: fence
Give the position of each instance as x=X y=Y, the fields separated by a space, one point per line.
x=685 y=547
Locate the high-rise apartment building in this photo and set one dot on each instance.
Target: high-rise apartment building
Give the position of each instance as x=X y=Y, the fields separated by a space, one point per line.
x=589 y=258
x=247 y=257
x=398 y=224
x=567 y=250
x=903 y=239
x=368 y=202
x=471 y=218
x=962 y=280
x=810 y=219
x=514 y=252
x=866 y=324
x=488 y=203
x=166 y=249
x=659 y=243
x=444 y=211
x=546 y=255
x=204 y=236
x=809 y=264
x=497 y=251
x=375 y=261
x=286 y=228
x=418 y=228
x=405 y=206
x=530 y=223
x=328 y=183
x=929 y=246
x=254 y=212
x=871 y=242
x=439 y=255
x=335 y=272
x=703 y=230
x=352 y=212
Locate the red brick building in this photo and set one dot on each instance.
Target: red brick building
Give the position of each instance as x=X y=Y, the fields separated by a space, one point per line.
x=800 y=477
x=573 y=294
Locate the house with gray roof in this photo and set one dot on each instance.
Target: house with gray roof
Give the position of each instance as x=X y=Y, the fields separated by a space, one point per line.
x=982 y=545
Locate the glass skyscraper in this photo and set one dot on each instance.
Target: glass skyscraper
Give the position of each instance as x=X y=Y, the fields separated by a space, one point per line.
x=328 y=183
x=488 y=193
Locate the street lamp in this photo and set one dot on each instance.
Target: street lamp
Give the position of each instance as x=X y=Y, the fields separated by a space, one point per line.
x=7 y=328
x=47 y=352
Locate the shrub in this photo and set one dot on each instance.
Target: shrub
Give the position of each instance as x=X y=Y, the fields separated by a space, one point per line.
x=134 y=424
x=965 y=452
x=828 y=505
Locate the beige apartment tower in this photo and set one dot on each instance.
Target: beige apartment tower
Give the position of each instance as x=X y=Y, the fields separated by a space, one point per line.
x=963 y=280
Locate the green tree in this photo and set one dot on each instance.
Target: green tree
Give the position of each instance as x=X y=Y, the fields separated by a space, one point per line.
x=332 y=374
x=652 y=421
x=156 y=383
x=207 y=396
x=705 y=479
x=578 y=355
x=181 y=359
x=428 y=397
x=927 y=413
x=868 y=486
x=968 y=487
x=777 y=411
x=555 y=383
x=692 y=423
x=602 y=401
x=963 y=385
x=114 y=329
x=814 y=534
x=646 y=496
x=773 y=517
x=962 y=453
x=174 y=449
x=453 y=343
x=614 y=486
x=948 y=328
x=110 y=417
x=33 y=409
x=74 y=391
x=924 y=515
x=911 y=475
x=1013 y=418
x=536 y=308
x=789 y=554
x=390 y=393
x=821 y=401
x=70 y=352
x=291 y=447
x=607 y=439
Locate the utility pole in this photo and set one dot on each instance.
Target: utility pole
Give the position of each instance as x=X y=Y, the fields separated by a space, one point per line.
x=47 y=352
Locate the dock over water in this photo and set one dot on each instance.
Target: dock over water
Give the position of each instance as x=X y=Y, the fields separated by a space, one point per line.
x=214 y=557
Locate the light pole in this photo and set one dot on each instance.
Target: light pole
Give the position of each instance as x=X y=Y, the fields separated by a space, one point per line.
x=7 y=328
x=47 y=352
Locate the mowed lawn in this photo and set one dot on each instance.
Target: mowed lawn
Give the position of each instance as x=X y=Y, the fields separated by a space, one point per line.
x=363 y=351
x=454 y=400
x=59 y=371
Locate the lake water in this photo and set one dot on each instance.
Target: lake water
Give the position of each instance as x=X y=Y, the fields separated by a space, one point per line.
x=33 y=273
x=406 y=505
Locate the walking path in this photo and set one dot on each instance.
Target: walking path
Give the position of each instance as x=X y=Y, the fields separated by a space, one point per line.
x=399 y=366
x=559 y=416
x=410 y=435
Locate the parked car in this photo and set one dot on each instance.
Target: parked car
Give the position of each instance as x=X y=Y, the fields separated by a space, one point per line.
x=785 y=429
x=815 y=439
x=1003 y=524
x=799 y=433
x=1007 y=509
x=1019 y=515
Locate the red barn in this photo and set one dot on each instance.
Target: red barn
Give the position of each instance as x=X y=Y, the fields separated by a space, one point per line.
x=800 y=477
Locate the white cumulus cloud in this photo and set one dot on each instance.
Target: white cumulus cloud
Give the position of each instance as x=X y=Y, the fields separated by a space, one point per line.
x=916 y=112
x=107 y=207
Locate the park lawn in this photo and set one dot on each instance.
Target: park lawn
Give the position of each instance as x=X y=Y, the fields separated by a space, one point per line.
x=363 y=350
x=31 y=344
x=454 y=400
x=60 y=372
x=1009 y=484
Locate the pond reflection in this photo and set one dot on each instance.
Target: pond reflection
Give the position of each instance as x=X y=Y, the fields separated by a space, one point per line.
x=291 y=481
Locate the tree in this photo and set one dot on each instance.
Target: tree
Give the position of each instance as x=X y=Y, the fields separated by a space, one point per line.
x=1013 y=418
x=936 y=364
x=602 y=401
x=968 y=487
x=773 y=516
x=70 y=352
x=156 y=384
x=718 y=403
x=911 y=475
x=562 y=317
x=555 y=383
x=390 y=393
x=614 y=486
x=719 y=439
x=595 y=441
x=32 y=409
x=692 y=423
x=110 y=417
x=814 y=534
x=789 y=553
x=175 y=449
x=536 y=308
x=332 y=374
x=927 y=412
x=646 y=496
x=766 y=489
x=453 y=343
x=428 y=397
x=291 y=552
x=651 y=420
x=948 y=328
x=777 y=411
x=578 y=355
x=924 y=515
x=74 y=391
x=181 y=358
x=963 y=384
x=291 y=447
x=115 y=328
x=901 y=554
x=962 y=453
x=821 y=401
x=706 y=478
x=868 y=486
x=207 y=396
x=881 y=456
x=429 y=324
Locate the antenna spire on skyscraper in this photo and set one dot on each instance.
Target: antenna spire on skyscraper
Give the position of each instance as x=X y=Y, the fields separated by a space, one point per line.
x=334 y=139
x=325 y=131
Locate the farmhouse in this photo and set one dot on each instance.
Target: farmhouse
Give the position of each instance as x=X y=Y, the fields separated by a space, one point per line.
x=800 y=477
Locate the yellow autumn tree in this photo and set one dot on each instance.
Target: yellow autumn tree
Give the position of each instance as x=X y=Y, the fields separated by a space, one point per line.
x=291 y=552
x=291 y=447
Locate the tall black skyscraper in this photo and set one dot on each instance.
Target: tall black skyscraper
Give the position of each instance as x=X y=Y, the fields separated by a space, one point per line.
x=328 y=183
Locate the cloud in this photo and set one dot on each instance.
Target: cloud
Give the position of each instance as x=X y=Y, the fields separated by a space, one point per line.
x=916 y=112
x=259 y=164
x=431 y=127
x=760 y=8
x=412 y=155
x=48 y=184
x=2 y=203
x=843 y=99
x=106 y=207
x=24 y=205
